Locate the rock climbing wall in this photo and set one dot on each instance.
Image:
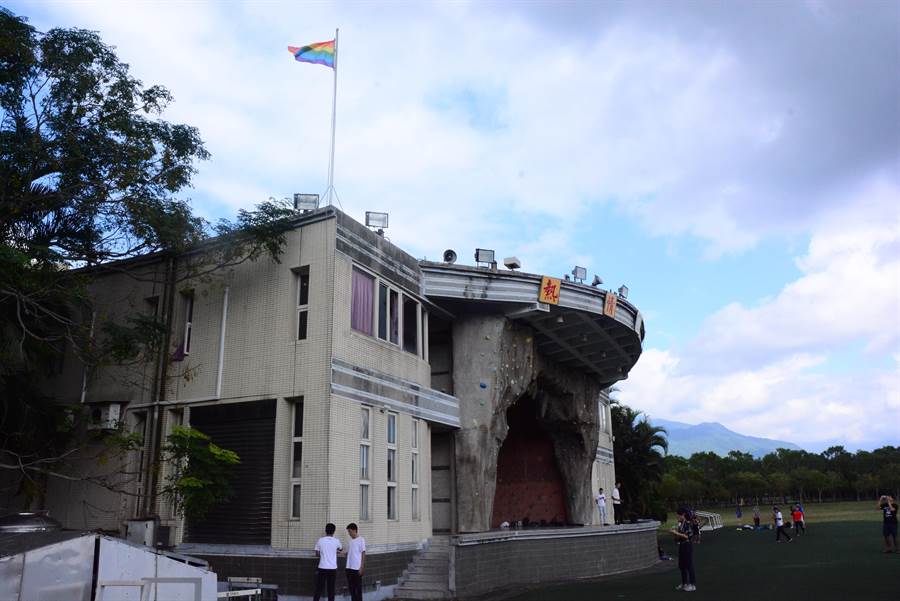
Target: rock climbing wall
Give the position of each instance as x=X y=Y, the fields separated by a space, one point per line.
x=529 y=484
x=494 y=365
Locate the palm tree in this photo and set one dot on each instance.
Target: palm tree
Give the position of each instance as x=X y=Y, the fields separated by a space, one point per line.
x=639 y=449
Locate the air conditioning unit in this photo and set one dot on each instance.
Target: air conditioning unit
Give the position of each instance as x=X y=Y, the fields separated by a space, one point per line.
x=105 y=416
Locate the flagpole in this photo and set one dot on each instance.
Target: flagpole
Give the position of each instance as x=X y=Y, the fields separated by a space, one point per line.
x=330 y=190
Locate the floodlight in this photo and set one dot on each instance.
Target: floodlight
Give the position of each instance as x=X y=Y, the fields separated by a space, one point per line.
x=512 y=263
x=306 y=202
x=484 y=255
x=374 y=219
x=623 y=291
x=579 y=273
x=597 y=281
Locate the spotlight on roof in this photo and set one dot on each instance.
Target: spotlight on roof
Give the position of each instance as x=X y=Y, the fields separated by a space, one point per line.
x=512 y=263
x=484 y=255
x=623 y=291
x=377 y=220
x=580 y=274
x=597 y=281
x=306 y=202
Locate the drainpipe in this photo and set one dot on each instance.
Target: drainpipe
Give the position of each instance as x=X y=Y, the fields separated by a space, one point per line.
x=222 y=344
x=155 y=425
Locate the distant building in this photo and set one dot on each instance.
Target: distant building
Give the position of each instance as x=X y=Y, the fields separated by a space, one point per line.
x=358 y=384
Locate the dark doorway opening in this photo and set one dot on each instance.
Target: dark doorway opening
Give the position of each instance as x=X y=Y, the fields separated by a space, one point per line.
x=529 y=484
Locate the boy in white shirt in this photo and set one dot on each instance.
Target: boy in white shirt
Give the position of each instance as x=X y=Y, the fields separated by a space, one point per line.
x=779 y=525
x=356 y=562
x=326 y=550
x=601 y=505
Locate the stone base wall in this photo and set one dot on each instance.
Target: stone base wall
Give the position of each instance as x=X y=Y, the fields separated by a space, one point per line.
x=296 y=576
x=500 y=561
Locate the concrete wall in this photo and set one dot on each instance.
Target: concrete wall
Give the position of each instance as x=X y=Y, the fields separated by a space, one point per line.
x=494 y=561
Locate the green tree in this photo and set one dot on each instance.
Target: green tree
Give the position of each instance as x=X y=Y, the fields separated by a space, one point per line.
x=779 y=483
x=90 y=173
x=200 y=472
x=639 y=448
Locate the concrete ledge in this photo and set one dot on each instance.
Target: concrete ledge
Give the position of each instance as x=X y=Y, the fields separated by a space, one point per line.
x=496 y=536
x=266 y=551
x=488 y=562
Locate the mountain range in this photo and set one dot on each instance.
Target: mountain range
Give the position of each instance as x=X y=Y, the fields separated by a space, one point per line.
x=687 y=439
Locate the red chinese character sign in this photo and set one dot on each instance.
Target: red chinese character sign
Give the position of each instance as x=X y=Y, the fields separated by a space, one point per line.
x=609 y=307
x=549 y=292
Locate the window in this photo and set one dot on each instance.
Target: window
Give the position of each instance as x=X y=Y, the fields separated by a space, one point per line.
x=410 y=325
x=382 y=311
x=365 y=447
x=296 y=455
x=392 y=428
x=604 y=418
x=361 y=302
x=188 y=300
x=395 y=323
x=414 y=477
x=302 y=301
x=392 y=466
x=378 y=309
x=424 y=347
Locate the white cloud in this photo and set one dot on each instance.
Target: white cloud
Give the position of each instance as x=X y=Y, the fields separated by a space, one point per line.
x=491 y=125
x=764 y=370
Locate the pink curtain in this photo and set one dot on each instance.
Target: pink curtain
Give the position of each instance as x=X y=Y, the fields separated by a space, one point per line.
x=361 y=304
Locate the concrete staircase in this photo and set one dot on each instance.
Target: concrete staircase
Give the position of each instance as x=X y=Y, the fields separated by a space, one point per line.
x=428 y=575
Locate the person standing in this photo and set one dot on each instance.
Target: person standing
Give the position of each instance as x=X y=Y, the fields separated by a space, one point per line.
x=601 y=505
x=797 y=518
x=327 y=548
x=889 y=528
x=356 y=562
x=756 y=516
x=617 y=503
x=684 y=534
x=779 y=525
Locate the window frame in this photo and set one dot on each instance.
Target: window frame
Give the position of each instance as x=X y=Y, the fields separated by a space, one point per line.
x=302 y=308
x=392 y=468
x=188 y=296
x=414 y=470
x=296 y=480
x=365 y=479
x=394 y=302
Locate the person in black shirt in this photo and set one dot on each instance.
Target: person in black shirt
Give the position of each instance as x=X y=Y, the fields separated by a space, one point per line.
x=889 y=529
x=684 y=534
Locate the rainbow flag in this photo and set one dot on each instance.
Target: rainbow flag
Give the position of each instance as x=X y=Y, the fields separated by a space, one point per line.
x=320 y=53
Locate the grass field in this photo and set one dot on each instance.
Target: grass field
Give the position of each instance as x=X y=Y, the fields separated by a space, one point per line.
x=839 y=559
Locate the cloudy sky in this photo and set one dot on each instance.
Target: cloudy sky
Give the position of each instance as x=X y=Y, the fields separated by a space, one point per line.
x=737 y=165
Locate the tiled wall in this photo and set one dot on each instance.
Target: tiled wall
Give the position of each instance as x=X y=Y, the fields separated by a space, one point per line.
x=296 y=575
x=483 y=568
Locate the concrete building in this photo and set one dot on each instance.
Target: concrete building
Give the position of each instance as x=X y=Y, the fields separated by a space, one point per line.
x=358 y=384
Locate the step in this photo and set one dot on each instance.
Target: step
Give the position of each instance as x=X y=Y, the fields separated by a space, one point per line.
x=400 y=595
x=440 y=579
x=416 y=591
x=431 y=559
x=441 y=568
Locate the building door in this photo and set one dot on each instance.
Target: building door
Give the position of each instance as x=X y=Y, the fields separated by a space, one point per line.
x=441 y=482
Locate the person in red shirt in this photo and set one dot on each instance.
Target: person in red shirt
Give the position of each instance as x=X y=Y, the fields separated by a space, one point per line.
x=797 y=517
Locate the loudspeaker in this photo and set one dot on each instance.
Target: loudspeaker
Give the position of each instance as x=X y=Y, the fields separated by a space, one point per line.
x=449 y=256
